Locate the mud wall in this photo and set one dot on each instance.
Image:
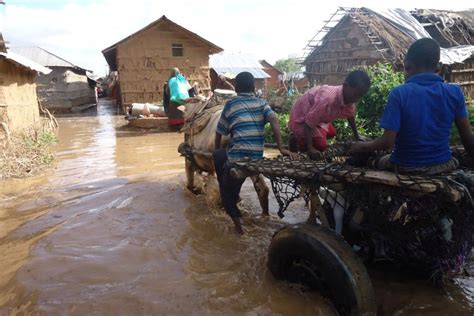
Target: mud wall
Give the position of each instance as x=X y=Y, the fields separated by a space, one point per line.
x=463 y=74
x=145 y=61
x=18 y=101
x=64 y=88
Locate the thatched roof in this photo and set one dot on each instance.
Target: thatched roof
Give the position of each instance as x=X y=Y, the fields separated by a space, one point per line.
x=447 y=27
x=383 y=36
x=390 y=32
x=394 y=42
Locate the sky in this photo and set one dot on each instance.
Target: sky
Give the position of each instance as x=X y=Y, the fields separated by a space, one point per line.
x=78 y=30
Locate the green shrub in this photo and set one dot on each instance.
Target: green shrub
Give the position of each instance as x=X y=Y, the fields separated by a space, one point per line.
x=455 y=138
x=283 y=121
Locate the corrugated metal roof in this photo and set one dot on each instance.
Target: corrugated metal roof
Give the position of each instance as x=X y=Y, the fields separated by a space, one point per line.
x=43 y=57
x=257 y=73
x=237 y=63
x=25 y=62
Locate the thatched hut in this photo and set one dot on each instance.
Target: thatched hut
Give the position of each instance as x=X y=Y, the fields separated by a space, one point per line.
x=144 y=60
x=67 y=88
x=358 y=37
x=453 y=29
x=18 y=102
x=355 y=37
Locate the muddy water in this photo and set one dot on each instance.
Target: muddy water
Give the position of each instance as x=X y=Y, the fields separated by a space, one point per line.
x=111 y=231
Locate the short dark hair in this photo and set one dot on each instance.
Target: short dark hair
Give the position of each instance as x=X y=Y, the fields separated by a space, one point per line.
x=244 y=82
x=358 y=79
x=424 y=53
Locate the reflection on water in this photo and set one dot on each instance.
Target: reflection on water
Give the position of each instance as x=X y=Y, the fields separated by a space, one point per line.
x=111 y=231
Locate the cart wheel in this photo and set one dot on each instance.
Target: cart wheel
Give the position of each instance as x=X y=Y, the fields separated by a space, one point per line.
x=314 y=256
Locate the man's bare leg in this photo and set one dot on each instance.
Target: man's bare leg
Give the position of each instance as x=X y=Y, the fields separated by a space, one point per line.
x=238 y=225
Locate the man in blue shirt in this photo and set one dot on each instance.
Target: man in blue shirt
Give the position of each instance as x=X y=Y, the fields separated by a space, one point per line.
x=418 y=118
x=243 y=119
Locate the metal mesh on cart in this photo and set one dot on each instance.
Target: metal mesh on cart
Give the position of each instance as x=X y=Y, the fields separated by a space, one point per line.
x=423 y=221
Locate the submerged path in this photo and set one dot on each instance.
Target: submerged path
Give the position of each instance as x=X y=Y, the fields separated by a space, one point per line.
x=110 y=230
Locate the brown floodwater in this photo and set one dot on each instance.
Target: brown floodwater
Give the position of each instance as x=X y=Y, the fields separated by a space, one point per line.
x=110 y=230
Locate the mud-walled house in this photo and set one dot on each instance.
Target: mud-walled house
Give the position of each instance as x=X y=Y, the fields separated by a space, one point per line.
x=273 y=81
x=67 y=88
x=355 y=37
x=19 y=109
x=145 y=58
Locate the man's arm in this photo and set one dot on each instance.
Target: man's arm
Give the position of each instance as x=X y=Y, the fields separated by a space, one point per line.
x=308 y=138
x=273 y=119
x=352 y=124
x=217 y=140
x=385 y=142
x=467 y=138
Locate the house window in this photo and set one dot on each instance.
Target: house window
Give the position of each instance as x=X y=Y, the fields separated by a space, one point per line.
x=177 y=50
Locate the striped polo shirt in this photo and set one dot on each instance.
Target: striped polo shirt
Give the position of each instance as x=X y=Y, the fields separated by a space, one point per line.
x=244 y=118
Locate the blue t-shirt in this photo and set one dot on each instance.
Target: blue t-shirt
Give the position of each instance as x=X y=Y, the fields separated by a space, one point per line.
x=244 y=118
x=422 y=112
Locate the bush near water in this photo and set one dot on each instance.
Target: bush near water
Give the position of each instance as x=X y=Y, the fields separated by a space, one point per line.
x=26 y=154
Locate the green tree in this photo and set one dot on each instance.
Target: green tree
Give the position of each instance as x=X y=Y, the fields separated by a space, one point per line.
x=287 y=65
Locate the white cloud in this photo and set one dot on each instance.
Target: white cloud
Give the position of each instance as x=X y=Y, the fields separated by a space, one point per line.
x=79 y=30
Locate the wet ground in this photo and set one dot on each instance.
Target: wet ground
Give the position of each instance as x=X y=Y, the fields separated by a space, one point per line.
x=111 y=231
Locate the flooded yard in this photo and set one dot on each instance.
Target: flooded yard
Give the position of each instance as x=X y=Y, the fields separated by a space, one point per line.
x=110 y=230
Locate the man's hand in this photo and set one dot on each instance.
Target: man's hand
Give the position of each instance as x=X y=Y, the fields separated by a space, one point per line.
x=384 y=142
x=357 y=148
x=361 y=138
x=292 y=155
x=314 y=154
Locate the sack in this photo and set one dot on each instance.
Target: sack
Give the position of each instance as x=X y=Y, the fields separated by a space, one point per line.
x=178 y=86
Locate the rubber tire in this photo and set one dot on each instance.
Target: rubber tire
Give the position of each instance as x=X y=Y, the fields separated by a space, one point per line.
x=341 y=274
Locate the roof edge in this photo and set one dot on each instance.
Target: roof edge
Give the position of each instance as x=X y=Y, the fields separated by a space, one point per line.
x=25 y=62
x=162 y=19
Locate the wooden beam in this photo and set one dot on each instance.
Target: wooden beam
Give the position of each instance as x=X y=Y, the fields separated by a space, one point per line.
x=338 y=50
x=410 y=183
x=463 y=70
x=465 y=83
x=316 y=209
x=343 y=58
x=337 y=39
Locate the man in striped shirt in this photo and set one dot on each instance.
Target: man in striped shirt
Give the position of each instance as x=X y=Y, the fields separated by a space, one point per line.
x=243 y=119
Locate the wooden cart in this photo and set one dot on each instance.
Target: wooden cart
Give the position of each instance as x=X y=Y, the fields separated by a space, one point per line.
x=423 y=222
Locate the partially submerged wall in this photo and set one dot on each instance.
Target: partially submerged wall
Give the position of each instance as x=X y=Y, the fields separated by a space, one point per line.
x=145 y=62
x=18 y=102
x=64 y=88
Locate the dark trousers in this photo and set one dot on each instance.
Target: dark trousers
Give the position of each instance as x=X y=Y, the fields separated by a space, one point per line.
x=229 y=186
